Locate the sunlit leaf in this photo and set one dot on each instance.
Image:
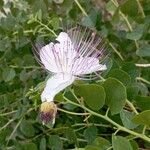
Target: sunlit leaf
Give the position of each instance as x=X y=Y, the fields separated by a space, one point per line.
x=115 y=95
x=93 y=95
x=143 y=118
x=121 y=143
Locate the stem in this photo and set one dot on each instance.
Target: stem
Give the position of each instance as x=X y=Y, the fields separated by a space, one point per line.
x=107 y=111
x=10 y=121
x=143 y=65
x=42 y=24
x=86 y=119
x=140 y=8
x=143 y=80
x=116 y=51
x=111 y=121
x=80 y=140
x=78 y=129
x=90 y=124
x=81 y=8
x=126 y=20
x=25 y=67
x=72 y=113
x=14 y=129
x=144 y=129
x=17 y=123
x=110 y=148
x=132 y=107
x=8 y=113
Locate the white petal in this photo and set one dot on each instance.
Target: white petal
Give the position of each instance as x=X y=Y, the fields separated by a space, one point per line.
x=87 y=65
x=65 y=52
x=47 y=56
x=55 y=84
x=63 y=36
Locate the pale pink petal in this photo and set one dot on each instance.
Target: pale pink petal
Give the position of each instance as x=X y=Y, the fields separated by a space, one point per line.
x=87 y=65
x=65 y=52
x=47 y=56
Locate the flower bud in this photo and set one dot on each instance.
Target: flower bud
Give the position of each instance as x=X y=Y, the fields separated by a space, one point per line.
x=48 y=112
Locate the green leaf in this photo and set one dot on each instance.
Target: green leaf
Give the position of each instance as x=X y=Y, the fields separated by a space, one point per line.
x=92 y=147
x=8 y=74
x=115 y=95
x=40 y=5
x=55 y=23
x=90 y=134
x=92 y=19
x=129 y=7
x=28 y=60
x=102 y=143
x=1 y=3
x=143 y=118
x=132 y=91
x=8 y=22
x=134 y=145
x=71 y=136
x=136 y=34
x=144 y=51
x=120 y=143
x=143 y=88
x=5 y=44
x=42 y=144
x=29 y=146
x=131 y=69
x=111 y=8
x=143 y=102
x=27 y=129
x=94 y=95
x=39 y=15
x=55 y=142
x=24 y=76
x=126 y=118
x=121 y=75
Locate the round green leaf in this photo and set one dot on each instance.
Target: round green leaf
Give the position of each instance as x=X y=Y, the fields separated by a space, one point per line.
x=29 y=146
x=102 y=143
x=132 y=91
x=8 y=74
x=71 y=136
x=136 y=34
x=129 y=7
x=42 y=144
x=55 y=23
x=120 y=143
x=131 y=69
x=92 y=147
x=115 y=95
x=126 y=118
x=90 y=134
x=143 y=102
x=94 y=95
x=55 y=142
x=143 y=118
x=120 y=75
x=27 y=129
x=144 y=51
